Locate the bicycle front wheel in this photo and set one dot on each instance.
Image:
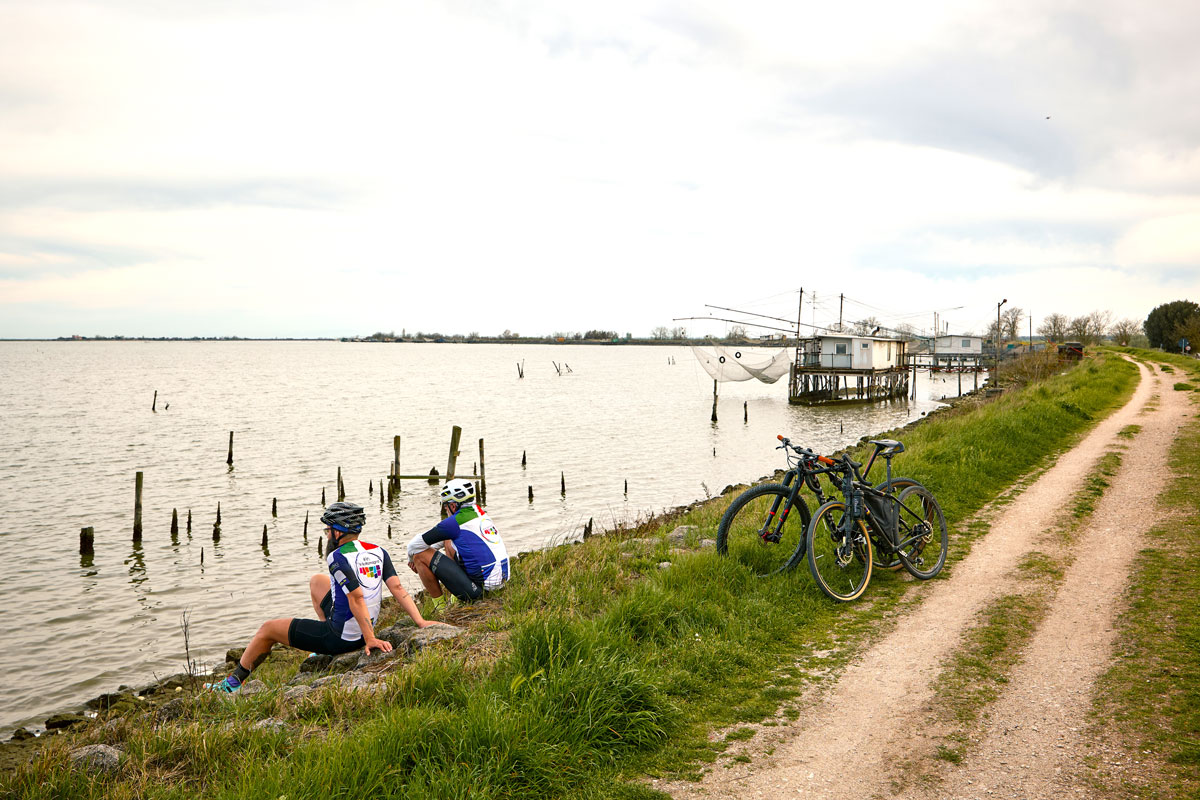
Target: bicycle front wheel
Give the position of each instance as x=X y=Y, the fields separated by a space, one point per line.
x=760 y=530
x=922 y=530
x=839 y=553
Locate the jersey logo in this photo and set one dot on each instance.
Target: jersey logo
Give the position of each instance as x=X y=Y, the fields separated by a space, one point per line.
x=370 y=571
x=489 y=534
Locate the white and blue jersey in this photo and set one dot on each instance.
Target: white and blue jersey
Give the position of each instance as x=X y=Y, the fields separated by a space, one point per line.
x=357 y=565
x=477 y=544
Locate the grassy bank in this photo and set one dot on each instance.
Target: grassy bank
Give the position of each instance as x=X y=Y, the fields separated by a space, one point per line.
x=595 y=665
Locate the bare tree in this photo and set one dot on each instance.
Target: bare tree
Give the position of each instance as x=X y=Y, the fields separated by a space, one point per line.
x=737 y=332
x=679 y=332
x=659 y=332
x=1010 y=322
x=1124 y=331
x=1090 y=328
x=1054 y=327
x=864 y=326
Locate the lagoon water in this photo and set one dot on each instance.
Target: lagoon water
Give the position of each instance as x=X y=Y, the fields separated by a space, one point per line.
x=76 y=424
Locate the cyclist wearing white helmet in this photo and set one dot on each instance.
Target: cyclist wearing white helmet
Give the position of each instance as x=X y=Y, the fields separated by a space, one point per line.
x=346 y=600
x=474 y=557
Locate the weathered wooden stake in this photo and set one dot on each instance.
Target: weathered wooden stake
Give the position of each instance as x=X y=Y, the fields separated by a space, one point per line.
x=587 y=529
x=745 y=411
x=531 y=494
x=218 y=513
x=433 y=475
x=371 y=487
x=627 y=486
x=341 y=487
x=482 y=477
x=264 y=541
x=322 y=497
x=389 y=530
x=319 y=551
x=154 y=402
x=274 y=506
x=87 y=537
x=395 y=465
x=714 y=413
x=137 y=508
x=306 y=526
x=563 y=478
x=189 y=522
x=452 y=462
x=174 y=522
x=381 y=491
x=229 y=458
x=201 y=557
x=217 y=524
x=522 y=459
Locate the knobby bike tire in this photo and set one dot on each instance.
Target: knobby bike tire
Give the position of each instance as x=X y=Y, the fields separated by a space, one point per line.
x=750 y=532
x=926 y=556
x=891 y=561
x=841 y=569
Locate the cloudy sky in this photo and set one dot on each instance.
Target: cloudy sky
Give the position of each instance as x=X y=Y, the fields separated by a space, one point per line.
x=310 y=168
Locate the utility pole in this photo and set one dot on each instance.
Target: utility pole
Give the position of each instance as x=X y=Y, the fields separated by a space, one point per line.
x=799 y=312
x=841 y=304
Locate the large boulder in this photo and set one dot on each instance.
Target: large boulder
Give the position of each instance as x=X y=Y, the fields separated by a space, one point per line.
x=96 y=757
x=62 y=721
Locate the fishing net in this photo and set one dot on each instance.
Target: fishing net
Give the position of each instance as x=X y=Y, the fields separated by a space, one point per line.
x=728 y=363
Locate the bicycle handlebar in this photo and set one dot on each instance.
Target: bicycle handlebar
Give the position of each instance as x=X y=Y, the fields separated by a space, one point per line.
x=804 y=452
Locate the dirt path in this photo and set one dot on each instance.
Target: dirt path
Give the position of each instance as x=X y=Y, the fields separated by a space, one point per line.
x=859 y=736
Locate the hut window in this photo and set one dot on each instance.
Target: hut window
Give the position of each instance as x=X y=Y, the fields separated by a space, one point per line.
x=839 y=349
x=966 y=342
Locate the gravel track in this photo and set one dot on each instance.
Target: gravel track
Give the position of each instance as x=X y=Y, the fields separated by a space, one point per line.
x=873 y=732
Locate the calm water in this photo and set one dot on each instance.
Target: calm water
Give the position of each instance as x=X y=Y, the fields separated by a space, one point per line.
x=76 y=424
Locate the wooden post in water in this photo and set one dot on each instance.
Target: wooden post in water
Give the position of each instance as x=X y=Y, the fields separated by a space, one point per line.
x=217 y=524
x=154 y=402
x=389 y=530
x=264 y=539
x=322 y=497
x=745 y=411
x=381 y=491
x=137 y=508
x=189 y=522
x=563 y=478
x=452 y=462
x=714 y=414
x=522 y=459
x=174 y=522
x=274 y=506
x=341 y=487
x=371 y=487
x=87 y=537
x=531 y=494
x=627 y=487
x=395 y=465
x=229 y=458
x=434 y=475
x=482 y=477
x=306 y=526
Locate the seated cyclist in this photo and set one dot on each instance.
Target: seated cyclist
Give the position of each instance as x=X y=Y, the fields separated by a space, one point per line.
x=346 y=600
x=463 y=552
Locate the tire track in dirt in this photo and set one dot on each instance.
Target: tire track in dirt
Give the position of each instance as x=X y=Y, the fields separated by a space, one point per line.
x=855 y=740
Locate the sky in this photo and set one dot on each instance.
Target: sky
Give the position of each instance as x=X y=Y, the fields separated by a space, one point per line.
x=305 y=168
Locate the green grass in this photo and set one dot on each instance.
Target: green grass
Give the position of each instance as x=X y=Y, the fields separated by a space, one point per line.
x=1183 y=386
x=594 y=666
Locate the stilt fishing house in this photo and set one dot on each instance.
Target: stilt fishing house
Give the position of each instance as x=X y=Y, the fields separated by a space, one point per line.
x=842 y=367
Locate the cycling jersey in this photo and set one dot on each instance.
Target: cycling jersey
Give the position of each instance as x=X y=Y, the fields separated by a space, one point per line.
x=477 y=544
x=357 y=565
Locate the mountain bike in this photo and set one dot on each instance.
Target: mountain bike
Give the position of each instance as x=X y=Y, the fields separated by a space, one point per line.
x=900 y=519
x=765 y=525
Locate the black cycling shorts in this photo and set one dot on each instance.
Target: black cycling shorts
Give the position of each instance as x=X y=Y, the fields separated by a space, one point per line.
x=455 y=578
x=318 y=636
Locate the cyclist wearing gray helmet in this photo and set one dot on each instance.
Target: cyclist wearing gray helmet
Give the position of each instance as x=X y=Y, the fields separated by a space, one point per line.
x=346 y=600
x=474 y=557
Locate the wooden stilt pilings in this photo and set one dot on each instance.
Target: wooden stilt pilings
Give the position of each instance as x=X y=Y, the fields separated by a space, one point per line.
x=87 y=539
x=452 y=461
x=229 y=458
x=137 y=507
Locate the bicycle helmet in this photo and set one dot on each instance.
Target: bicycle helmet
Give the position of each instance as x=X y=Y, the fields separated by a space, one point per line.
x=345 y=517
x=458 y=491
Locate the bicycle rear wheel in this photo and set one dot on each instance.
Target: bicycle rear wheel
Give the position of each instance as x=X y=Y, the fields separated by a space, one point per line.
x=882 y=560
x=761 y=531
x=839 y=560
x=923 y=527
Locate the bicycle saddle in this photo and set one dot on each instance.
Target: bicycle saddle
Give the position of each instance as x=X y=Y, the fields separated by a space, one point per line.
x=888 y=447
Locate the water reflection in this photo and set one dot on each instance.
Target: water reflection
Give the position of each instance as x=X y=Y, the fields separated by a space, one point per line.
x=136 y=562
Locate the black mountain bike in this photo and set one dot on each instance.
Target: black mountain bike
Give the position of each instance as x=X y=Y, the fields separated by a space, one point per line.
x=898 y=520
x=765 y=525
